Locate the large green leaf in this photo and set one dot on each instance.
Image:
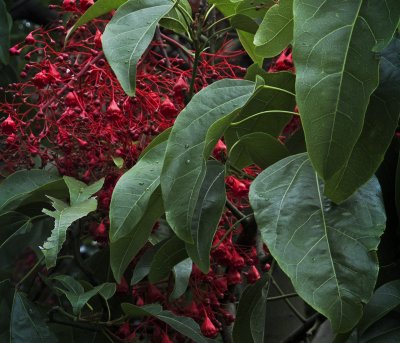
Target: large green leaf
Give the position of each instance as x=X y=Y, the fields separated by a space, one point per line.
x=28 y=322
x=76 y=294
x=337 y=69
x=321 y=246
x=169 y=255
x=248 y=302
x=181 y=273
x=381 y=121
x=125 y=249
x=5 y=26
x=99 y=8
x=128 y=35
x=189 y=147
x=244 y=23
x=259 y=148
x=133 y=191
x=276 y=29
x=208 y=211
x=28 y=186
x=81 y=204
x=186 y=326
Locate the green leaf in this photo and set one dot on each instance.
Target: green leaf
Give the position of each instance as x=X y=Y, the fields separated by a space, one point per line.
x=248 y=301
x=76 y=294
x=118 y=161
x=12 y=225
x=257 y=318
x=132 y=193
x=184 y=325
x=142 y=268
x=246 y=39
x=5 y=25
x=244 y=23
x=206 y=216
x=28 y=322
x=321 y=246
x=162 y=137
x=276 y=30
x=259 y=148
x=170 y=254
x=380 y=124
x=99 y=8
x=385 y=299
x=81 y=204
x=255 y=9
x=337 y=71
x=128 y=35
x=189 y=147
x=181 y=273
x=176 y=21
x=125 y=249
x=28 y=186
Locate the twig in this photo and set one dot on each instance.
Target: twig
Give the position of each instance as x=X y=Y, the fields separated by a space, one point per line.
x=162 y=47
x=279 y=297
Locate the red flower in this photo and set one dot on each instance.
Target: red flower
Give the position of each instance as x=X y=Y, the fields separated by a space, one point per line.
x=8 y=126
x=208 y=328
x=168 y=108
x=253 y=275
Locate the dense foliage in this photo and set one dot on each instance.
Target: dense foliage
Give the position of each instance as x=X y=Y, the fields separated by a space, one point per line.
x=153 y=186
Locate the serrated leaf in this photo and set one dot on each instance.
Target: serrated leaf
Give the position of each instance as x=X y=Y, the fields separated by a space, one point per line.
x=181 y=273
x=76 y=294
x=259 y=148
x=188 y=149
x=184 y=325
x=175 y=20
x=170 y=254
x=27 y=186
x=81 y=205
x=27 y=320
x=321 y=246
x=337 y=71
x=381 y=120
x=276 y=30
x=132 y=193
x=5 y=25
x=128 y=35
x=99 y=8
x=125 y=249
x=206 y=216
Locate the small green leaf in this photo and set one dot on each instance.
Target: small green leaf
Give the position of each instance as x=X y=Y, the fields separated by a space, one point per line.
x=125 y=249
x=246 y=39
x=244 y=23
x=133 y=191
x=276 y=30
x=80 y=191
x=189 y=146
x=28 y=186
x=181 y=273
x=5 y=26
x=337 y=71
x=259 y=148
x=381 y=120
x=99 y=8
x=28 y=322
x=184 y=325
x=175 y=20
x=170 y=254
x=208 y=211
x=118 y=161
x=128 y=35
x=322 y=247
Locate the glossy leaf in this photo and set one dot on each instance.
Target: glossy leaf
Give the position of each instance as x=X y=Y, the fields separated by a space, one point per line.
x=169 y=255
x=184 y=325
x=175 y=20
x=28 y=186
x=132 y=193
x=181 y=273
x=81 y=204
x=259 y=148
x=338 y=69
x=5 y=26
x=188 y=148
x=99 y=8
x=76 y=294
x=28 y=321
x=321 y=246
x=125 y=249
x=207 y=214
x=142 y=268
x=128 y=34
x=380 y=124
x=247 y=303
x=276 y=29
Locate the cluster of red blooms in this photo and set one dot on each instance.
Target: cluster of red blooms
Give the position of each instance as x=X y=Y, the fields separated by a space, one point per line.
x=72 y=113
